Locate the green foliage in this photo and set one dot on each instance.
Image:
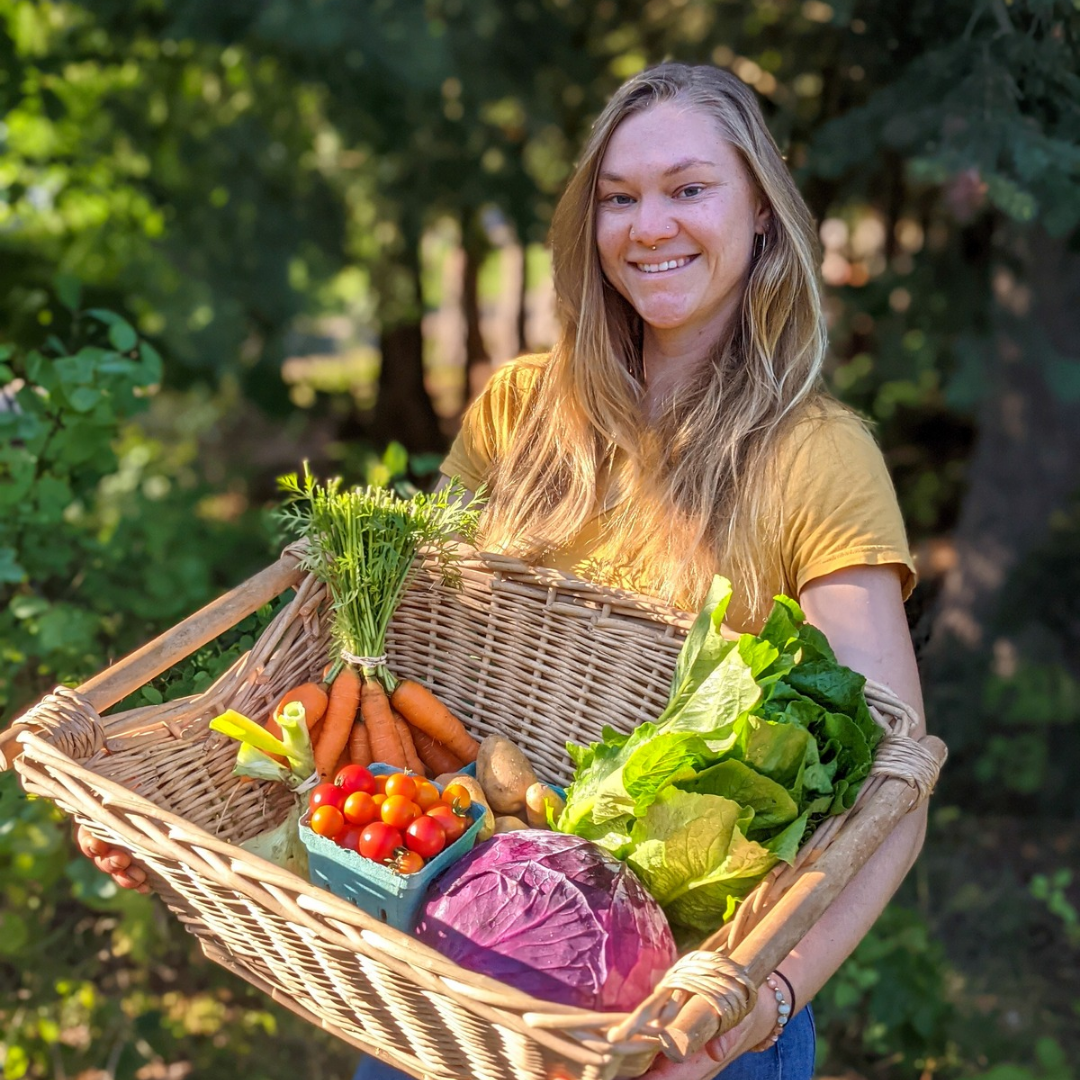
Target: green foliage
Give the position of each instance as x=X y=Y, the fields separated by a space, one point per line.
x=99 y=542
x=890 y=1000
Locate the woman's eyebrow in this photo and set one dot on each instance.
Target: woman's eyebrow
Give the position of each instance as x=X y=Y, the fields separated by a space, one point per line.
x=671 y=170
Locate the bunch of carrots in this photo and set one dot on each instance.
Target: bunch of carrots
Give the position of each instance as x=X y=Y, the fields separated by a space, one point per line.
x=353 y=720
x=363 y=542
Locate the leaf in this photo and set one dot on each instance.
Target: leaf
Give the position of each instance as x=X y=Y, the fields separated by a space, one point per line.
x=84 y=398
x=772 y=805
x=11 y=570
x=69 y=291
x=704 y=638
x=122 y=336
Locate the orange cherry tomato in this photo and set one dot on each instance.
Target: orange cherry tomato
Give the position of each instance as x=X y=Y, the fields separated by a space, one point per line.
x=427 y=794
x=401 y=784
x=327 y=821
x=360 y=809
x=454 y=825
x=380 y=783
x=457 y=796
x=399 y=811
x=406 y=862
x=379 y=798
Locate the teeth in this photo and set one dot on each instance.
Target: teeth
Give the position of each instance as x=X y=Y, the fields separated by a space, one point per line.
x=656 y=268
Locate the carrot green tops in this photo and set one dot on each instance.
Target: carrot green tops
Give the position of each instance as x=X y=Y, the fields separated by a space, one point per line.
x=838 y=509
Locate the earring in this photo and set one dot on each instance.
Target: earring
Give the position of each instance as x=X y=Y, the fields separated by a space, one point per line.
x=654 y=247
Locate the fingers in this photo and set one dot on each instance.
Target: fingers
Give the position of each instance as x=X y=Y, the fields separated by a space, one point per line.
x=113 y=861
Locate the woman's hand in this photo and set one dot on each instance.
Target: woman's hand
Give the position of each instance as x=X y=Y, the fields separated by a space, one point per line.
x=114 y=861
x=724 y=1049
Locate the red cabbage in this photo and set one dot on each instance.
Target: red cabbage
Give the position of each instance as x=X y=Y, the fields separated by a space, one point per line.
x=554 y=916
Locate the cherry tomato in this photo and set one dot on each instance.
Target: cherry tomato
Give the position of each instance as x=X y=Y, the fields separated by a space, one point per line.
x=327 y=821
x=326 y=795
x=399 y=811
x=401 y=784
x=380 y=784
x=379 y=798
x=457 y=796
x=352 y=778
x=360 y=809
x=378 y=841
x=427 y=794
x=426 y=837
x=454 y=825
x=406 y=862
x=349 y=837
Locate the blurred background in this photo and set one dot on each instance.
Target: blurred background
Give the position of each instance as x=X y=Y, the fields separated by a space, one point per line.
x=237 y=235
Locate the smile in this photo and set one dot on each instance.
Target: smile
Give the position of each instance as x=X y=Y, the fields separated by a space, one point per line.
x=668 y=264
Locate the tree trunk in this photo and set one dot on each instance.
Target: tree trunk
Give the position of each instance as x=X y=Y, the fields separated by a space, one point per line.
x=403 y=408
x=1024 y=467
x=523 y=301
x=476 y=247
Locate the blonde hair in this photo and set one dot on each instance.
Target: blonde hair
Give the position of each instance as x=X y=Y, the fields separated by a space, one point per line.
x=703 y=494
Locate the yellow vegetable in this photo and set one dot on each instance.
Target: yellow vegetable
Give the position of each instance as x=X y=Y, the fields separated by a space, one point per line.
x=537 y=800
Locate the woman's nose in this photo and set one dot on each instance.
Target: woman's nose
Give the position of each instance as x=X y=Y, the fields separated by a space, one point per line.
x=653 y=222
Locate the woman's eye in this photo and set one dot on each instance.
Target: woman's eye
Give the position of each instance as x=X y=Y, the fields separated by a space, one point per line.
x=691 y=190
x=618 y=200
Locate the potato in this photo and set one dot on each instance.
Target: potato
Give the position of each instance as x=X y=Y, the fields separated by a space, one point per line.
x=509 y=824
x=476 y=793
x=537 y=798
x=504 y=773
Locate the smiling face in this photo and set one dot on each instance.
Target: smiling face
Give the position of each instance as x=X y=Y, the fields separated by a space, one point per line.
x=669 y=180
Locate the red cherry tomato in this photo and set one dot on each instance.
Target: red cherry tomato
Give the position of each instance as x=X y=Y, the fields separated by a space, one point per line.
x=349 y=837
x=399 y=811
x=401 y=784
x=427 y=794
x=426 y=837
x=360 y=809
x=406 y=862
x=352 y=778
x=326 y=795
x=454 y=825
x=327 y=821
x=378 y=841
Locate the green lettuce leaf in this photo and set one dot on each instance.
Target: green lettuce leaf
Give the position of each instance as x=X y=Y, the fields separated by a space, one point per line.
x=772 y=805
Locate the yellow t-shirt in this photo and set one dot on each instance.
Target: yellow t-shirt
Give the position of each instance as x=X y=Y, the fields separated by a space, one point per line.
x=839 y=504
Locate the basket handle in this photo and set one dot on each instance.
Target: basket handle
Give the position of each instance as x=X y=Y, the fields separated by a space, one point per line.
x=802 y=905
x=137 y=668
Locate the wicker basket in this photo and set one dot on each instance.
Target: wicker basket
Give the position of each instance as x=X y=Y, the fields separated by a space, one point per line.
x=532 y=654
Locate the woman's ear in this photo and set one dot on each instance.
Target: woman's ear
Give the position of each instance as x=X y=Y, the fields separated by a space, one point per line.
x=763 y=219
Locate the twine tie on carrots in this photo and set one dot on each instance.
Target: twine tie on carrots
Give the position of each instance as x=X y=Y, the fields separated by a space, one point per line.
x=363 y=661
x=311 y=782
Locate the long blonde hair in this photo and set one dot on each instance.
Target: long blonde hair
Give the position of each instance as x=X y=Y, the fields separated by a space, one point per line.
x=702 y=493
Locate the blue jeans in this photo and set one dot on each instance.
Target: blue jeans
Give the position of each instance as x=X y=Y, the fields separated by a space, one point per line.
x=791 y=1058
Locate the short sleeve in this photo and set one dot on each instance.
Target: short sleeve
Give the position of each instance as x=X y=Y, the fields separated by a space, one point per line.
x=490 y=420
x=840 y=506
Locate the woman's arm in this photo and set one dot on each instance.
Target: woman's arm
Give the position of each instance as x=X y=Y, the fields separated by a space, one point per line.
x=861 y=611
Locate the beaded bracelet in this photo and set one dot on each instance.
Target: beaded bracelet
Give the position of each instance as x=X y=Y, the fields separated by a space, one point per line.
x=783 y=1014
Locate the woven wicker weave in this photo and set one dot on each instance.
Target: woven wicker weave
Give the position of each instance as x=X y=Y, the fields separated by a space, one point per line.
x=532 y=654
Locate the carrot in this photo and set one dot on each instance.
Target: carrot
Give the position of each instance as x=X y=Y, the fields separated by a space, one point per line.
x=342 y=761
x=382 y=731
x=433 y=754
x=412 y=759
x=425 y=711
x=311 y=695
x=337 y=720
x=359 y=744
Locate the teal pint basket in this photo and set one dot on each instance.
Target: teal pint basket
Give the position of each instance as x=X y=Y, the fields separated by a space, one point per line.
x=392 y=898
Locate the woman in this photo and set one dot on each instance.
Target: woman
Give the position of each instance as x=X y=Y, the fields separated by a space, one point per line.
x=678 y=429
